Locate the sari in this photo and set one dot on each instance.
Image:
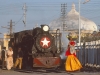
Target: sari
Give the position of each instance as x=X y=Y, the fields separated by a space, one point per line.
x=72 y=63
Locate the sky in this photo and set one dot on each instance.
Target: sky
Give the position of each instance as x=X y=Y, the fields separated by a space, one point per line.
x=42 y=12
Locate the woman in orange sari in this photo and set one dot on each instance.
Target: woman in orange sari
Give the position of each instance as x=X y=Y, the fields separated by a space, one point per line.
x=72 y=63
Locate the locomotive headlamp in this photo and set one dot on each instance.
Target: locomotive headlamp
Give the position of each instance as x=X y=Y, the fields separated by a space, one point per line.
x=46 y=28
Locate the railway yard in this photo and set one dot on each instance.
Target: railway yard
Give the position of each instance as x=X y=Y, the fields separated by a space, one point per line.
x=44 y=72
x=54 y=71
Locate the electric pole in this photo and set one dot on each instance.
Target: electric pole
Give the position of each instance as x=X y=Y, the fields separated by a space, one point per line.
x=25 y=9
x=10 y=28
x=63 y=14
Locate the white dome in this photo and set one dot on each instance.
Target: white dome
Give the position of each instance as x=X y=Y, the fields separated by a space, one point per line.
x=72 y=22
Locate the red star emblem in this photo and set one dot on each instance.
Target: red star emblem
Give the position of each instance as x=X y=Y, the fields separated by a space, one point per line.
x=45 y=42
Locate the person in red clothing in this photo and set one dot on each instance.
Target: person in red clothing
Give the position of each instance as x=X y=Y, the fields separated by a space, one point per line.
x=72 y=62
x=71 y=48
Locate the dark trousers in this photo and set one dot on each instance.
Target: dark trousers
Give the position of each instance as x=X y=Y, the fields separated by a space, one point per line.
x=3 y=63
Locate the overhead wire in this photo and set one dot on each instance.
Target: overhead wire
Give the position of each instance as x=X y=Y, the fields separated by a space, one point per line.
x=88 y=11
x=19 y=20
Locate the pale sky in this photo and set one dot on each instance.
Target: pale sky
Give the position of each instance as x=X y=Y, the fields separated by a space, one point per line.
x=42 y=12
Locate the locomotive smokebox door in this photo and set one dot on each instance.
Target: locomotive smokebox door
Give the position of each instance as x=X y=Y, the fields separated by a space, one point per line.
x=44 y=42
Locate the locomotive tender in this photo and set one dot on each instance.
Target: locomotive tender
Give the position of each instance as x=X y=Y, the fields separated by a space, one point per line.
x=41 y=46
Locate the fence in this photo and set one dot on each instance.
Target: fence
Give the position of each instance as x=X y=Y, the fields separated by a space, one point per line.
x=89 y=53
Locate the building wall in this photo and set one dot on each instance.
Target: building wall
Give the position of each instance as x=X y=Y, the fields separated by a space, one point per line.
x=6 y=40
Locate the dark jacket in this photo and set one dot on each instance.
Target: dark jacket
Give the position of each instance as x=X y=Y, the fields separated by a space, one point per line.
x=20 y=54
x=3 y=52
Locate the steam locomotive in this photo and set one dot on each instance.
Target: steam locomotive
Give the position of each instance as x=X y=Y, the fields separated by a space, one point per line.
x=41 y=46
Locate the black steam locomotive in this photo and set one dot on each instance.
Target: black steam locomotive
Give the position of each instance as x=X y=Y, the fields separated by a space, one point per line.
x=41 y=46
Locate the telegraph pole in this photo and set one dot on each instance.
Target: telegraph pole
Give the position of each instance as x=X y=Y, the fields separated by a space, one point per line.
x=63 y=14
x=25 y=9
x=10 y=28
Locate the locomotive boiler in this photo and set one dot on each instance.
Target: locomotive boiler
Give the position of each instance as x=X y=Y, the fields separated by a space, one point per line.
x=41 y=46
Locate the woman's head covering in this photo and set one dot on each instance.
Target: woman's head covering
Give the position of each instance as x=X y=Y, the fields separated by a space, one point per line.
x=72 y=36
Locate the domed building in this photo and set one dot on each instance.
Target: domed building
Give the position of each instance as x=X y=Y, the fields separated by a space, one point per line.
x=72 y=22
